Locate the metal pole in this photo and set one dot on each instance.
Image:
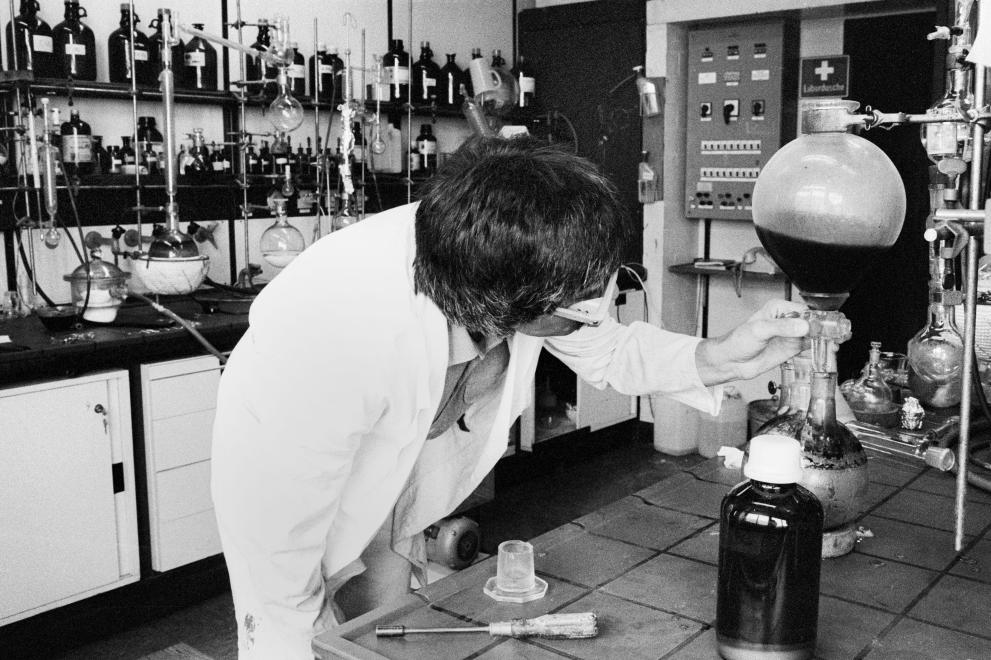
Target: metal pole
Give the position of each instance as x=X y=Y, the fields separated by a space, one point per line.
x=134 y=116
x=242 y=103
x=970 y=317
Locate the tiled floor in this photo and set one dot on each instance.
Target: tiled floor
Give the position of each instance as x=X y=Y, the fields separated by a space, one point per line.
x=532 y=497
x=646 y=564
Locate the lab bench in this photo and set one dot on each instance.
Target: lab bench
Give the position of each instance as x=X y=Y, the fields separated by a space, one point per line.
x=647 y=566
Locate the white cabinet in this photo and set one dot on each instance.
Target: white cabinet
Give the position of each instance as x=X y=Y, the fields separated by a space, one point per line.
x=575 y=404
x=68 y=526
x=179 y=398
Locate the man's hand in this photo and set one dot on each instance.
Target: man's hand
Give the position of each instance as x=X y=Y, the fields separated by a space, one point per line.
x=764 y=341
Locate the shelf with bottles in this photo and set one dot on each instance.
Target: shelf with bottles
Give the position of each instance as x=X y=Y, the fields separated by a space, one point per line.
x=109 y=90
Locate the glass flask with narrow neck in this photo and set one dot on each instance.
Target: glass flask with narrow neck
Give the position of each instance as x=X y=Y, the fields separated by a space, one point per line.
x=951 y=139
x=869 y=395
x=281 y=243
x=935 y=354
x=835 y=464
x=827 y=204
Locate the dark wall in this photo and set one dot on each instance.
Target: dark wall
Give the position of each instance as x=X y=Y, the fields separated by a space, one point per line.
x=578 y=54
x=891 y=69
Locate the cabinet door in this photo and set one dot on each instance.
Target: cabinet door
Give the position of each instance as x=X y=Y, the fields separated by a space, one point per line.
x=60 y=517
x=178 y=401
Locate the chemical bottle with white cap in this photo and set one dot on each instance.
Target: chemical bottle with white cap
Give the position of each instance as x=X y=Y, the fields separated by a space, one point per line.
x=770 y=544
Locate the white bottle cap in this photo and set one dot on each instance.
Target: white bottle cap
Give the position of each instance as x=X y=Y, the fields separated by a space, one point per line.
x=774 y=459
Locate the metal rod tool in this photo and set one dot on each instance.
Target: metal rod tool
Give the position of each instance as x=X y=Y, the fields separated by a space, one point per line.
x=581 y=625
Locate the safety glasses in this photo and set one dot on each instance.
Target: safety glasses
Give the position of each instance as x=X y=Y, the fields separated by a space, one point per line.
x=591 y=312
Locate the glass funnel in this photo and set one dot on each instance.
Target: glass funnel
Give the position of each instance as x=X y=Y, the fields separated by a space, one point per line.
x=935 y=354
x=827 y=204
x=281 y=243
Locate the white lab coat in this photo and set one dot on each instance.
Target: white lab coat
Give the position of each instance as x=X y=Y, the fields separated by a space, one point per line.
x=323 y=412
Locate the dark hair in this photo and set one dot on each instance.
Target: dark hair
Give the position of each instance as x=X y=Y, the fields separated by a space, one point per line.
x=508 y=230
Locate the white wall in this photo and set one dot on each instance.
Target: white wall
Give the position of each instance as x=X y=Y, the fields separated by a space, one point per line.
x=447 y=24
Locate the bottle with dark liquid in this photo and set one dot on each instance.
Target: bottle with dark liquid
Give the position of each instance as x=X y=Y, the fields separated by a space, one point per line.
x=77 y=146
x=101 y=159
x=297 y=72
x=426 y=144
x=75 y=45
x=199 y=63
x=255 y=69
x=424 y=76
x=251 y=160
x=770 y=545
x=449 y=81
x=35 y=46
x=150 y=138
x=119 y=52
x=155 y=52
x=497 y=59
x=395 y=65
x=198 y=166
x=128 y=158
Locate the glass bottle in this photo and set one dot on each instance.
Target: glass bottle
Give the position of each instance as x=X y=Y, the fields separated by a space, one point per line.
x=128 y=158
x=254 y=69
x=935 y=354
x=182 y=160
x=115 y=159
x=119 y=55
x=826 y=204
x=199 y=157
x=216 y=159
x=321 y=75
x=281 y=243
x=396 y=71
x=646 y=180
x=869 y=394
x=199 y=63
x=526 y=82
x=77 y=146
x=74 y=45
x=449 y=84
x=497 y=59
x=35 y=46
x=155 y=52
x=297 y=72
x=424 y=76
x=251 y=160
x=337 y=64
x=426 y=144
x=150 y=136
x=770 y=556
x=149 y=158
x=101 y=159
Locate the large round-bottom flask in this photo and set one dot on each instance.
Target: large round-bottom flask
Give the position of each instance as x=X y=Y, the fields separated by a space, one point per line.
x=935 y=356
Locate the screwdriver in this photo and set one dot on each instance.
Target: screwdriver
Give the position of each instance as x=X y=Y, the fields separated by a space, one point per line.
x=551 y=626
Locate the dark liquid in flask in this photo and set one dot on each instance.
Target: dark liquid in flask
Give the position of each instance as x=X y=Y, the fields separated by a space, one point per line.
x=819 y=267
x=770 y=542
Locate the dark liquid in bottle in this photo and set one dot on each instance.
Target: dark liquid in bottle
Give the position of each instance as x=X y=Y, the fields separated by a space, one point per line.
x=819 y=267
x=770 y=541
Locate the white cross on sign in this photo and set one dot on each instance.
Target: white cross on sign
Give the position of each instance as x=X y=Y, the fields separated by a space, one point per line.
x=824 y=70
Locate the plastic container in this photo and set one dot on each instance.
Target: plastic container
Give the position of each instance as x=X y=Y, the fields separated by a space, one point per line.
x=676 y=426
x=770 y=545
x=728 y=428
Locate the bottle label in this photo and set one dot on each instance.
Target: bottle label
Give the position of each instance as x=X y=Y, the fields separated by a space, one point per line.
x=217 y=166
x=75 y=49
x=414 y=161
x=396 y=75
x=296 y=71
x=140 y=55
x=452 y=85
x=427 y=147
x=42 y=43
x=527 y=85
x=281 y=160
x=428 y=85
x=77 y=149
x=326 y=69
x=115 y=165
x=195 y=58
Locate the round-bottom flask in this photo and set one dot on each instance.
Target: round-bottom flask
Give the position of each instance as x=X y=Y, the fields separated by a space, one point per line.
x=281 y=243
x=935 y=356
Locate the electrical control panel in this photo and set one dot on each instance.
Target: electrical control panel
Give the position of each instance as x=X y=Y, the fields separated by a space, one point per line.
x=742 y=105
